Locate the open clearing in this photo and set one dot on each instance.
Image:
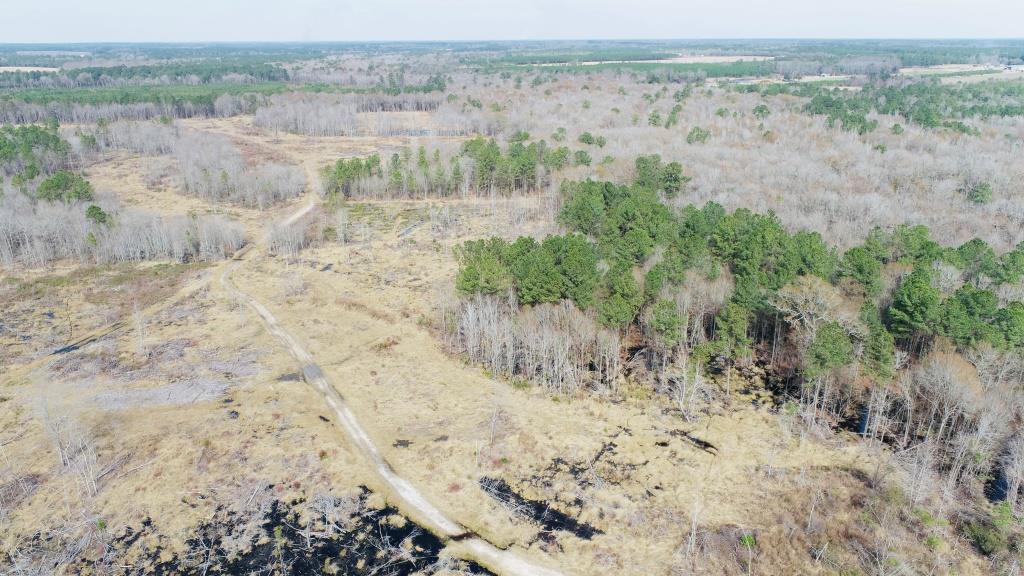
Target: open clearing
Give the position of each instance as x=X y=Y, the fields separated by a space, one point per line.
x=364 y=311
x=27 y=69
x=714 y=59
x=417 y=311
x=681 y=59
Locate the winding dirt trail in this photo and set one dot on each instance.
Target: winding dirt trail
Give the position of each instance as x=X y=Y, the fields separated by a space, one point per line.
x=410 y=501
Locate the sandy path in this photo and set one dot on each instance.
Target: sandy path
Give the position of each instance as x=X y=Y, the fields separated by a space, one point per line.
x=409 y=500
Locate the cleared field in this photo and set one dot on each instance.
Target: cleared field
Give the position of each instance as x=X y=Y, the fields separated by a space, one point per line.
x=715 y=59
x=1015 y=73
x=366 y=311
x=27 y=69
x=681 y=59
x=950 y=69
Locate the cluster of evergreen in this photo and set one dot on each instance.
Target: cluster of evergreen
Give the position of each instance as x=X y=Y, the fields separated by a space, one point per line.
x=617 y=230
x=394 y=84
x=204 y=71
x=26 y=151
x=926 y=104
x=176 y=98
x=518 y=167
x=186 y=100
x=849 y=113
x=480 y=166
x=34 y=157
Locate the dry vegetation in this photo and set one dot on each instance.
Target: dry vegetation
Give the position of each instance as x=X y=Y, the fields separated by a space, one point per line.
x=149 y=423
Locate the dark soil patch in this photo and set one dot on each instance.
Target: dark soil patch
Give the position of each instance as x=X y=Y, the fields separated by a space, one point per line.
x=702 y=444
x=542 y=513
x=369 y=541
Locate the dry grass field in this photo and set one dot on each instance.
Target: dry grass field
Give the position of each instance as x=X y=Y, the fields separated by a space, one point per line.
x=192 y=406
x=162 y=409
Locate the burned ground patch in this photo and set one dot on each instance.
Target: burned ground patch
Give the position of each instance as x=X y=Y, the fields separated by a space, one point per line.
x=604 y=467
x=703 y=445
x=325 y=535
x=550 y=519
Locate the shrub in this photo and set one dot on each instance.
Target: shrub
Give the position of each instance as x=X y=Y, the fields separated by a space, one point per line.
x=986 y=538
x=697 y=135
x=97 y=215
x=980 y=193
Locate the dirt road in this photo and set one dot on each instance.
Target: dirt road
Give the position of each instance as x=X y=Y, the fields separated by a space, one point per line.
x=405 y=496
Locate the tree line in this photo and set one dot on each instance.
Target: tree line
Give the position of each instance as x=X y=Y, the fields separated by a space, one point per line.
x=479 y=167
x=928 y=104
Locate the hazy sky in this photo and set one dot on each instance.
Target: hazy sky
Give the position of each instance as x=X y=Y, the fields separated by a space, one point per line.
x=345 y=20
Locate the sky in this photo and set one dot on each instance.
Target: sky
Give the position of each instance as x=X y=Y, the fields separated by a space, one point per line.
x=362 y=20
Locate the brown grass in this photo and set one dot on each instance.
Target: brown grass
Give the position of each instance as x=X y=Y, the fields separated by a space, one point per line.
x=622 y=464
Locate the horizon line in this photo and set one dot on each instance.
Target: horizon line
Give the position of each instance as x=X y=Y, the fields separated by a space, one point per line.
x=531 y=40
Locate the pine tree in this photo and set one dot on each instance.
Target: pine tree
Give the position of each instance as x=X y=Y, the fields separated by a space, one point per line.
x=915 y=306
x=830 y=350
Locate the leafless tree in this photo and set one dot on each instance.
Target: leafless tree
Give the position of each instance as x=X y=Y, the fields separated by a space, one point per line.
x=36 y=233
x=1012 y=463
x=312 y=114
x=554 y=345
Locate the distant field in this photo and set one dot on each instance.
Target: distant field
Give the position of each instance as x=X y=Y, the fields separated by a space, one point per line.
x=1013 y=74
x=703 y=59
x=943 y=69
x=709 y=69
x=965 y=73
x=681 y=59
x=27 y=69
